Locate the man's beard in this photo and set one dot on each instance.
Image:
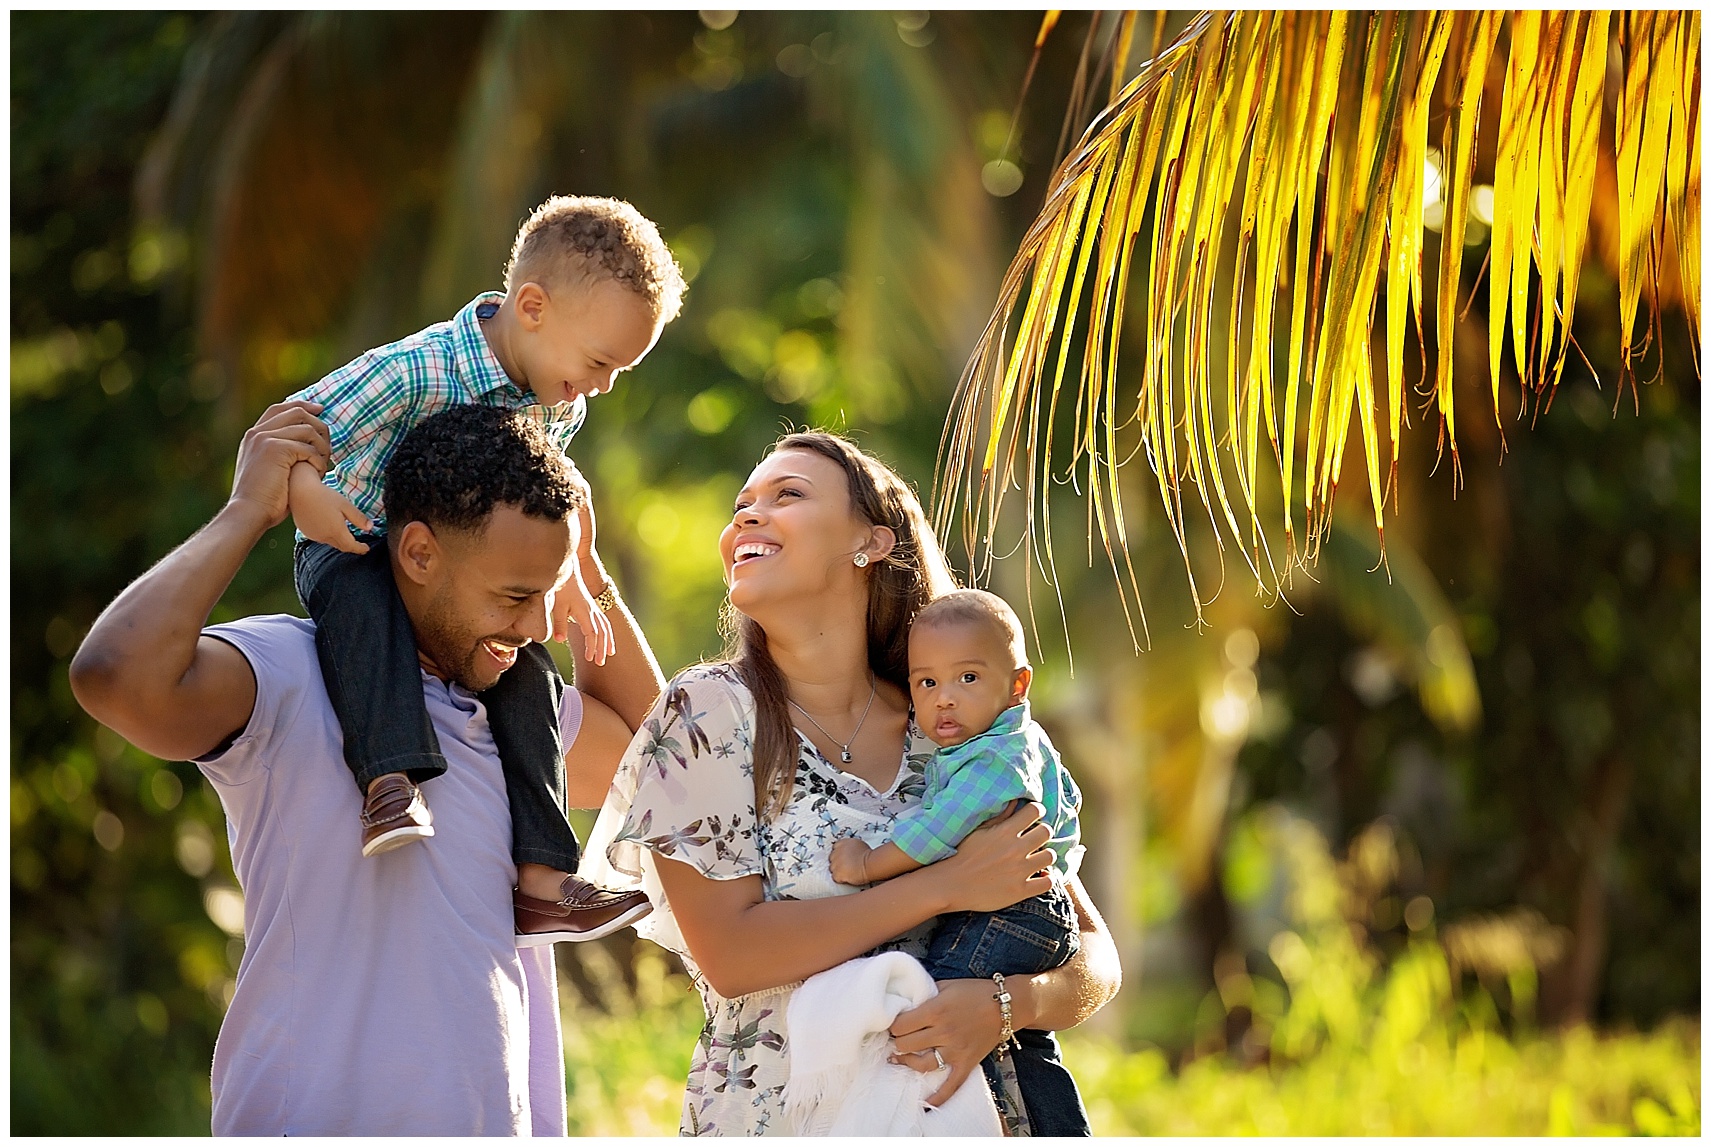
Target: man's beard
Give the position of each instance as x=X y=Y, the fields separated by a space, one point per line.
x=453 y=646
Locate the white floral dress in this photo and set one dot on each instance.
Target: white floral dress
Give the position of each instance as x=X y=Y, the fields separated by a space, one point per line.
x=685 y=790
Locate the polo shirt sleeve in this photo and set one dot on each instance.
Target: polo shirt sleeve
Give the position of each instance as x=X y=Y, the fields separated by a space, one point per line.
x=281 y=653
x=569 y=717
x=977 y=787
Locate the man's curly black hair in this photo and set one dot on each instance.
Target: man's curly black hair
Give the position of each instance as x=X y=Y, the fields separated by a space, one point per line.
x=451 y=470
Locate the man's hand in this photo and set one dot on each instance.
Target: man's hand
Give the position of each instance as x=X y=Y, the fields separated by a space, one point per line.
x=321 y=512
x=849 y=861
x=146 y=670
x=286 y=434
x=573 y=602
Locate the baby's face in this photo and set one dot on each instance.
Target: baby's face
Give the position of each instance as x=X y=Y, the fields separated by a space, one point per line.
x=961 y=676
x=586 y=337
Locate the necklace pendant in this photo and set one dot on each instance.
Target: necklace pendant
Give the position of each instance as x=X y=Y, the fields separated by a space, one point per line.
x=845 y=756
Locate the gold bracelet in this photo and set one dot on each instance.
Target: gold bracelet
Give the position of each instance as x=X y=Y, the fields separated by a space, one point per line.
x=1008 y=1035
x=607 y=598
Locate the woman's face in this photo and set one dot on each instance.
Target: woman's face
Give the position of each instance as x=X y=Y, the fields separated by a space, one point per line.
x=794 y=534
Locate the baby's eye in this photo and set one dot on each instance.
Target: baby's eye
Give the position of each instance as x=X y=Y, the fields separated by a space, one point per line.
x=926 y=683
x=970 y=678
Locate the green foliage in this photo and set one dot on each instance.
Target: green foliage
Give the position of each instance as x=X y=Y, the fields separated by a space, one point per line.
x=118 y=973
x=1356 y=1048
x=1473 y=1083
x=625 y=1064
x=1364 y=1047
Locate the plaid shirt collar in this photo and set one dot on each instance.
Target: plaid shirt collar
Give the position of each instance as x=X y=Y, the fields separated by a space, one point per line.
x=473 y=359
x=1011 y=720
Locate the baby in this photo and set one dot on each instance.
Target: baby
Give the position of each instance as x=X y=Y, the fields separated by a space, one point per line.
x=968 y=680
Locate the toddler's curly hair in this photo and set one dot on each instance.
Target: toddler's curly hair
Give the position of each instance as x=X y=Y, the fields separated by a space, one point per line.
x=578 y=238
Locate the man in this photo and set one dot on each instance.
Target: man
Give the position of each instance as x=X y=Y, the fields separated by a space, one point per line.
x=380 y=996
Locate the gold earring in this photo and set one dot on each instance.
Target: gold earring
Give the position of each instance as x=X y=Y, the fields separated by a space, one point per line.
x=861 y=561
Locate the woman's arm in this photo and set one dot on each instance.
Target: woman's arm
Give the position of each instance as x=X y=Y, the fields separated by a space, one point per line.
x=1066 y=996
x=744 y=943
x=964 y=1021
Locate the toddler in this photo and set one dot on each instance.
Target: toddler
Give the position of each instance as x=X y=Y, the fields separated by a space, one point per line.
x=968 y=680
x=588 y=288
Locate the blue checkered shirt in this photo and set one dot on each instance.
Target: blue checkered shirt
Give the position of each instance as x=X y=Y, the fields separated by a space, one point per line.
x=970 y=783
x=374 y=400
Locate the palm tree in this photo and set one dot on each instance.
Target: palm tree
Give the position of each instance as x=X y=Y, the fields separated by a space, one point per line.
x=346 y=178
x=1299 y=158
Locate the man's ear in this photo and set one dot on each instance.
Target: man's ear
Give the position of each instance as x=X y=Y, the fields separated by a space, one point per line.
x=1019 y=685
x=880 y=543
x=531 y=305
x=417 y=552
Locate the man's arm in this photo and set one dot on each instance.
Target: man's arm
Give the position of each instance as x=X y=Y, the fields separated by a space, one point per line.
x=145 y=670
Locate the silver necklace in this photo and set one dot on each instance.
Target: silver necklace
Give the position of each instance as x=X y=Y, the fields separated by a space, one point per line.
x=844 y=746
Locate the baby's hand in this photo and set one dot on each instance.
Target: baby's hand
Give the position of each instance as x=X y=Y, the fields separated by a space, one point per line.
x=573 y=602
x=849 y=861
x=321 y=512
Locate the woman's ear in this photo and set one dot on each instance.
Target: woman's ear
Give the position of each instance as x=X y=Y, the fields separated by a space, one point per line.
x=880 y=543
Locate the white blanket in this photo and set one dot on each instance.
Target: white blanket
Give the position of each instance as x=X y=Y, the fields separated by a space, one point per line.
x=841 y=1079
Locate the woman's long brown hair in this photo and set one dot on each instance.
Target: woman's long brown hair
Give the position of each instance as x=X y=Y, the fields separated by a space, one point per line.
x=898 y=586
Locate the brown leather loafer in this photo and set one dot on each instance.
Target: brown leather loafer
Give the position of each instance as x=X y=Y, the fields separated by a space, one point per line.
x=583 y=912
x=394 y=814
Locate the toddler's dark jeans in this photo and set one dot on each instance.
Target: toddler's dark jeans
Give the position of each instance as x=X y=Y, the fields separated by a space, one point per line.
x=1024 y=939
x=367 y=649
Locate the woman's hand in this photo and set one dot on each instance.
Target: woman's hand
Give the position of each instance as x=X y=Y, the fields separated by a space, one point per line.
x=962 y=1022
x=999 y=864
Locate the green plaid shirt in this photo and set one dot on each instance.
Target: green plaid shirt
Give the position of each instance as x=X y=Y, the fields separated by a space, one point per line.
x=374 y=400
x=970 y=783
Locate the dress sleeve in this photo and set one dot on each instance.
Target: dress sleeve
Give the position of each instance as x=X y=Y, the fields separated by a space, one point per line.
x=683 y=790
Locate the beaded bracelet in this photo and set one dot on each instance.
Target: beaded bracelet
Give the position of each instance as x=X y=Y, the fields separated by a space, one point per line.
x=1007 y=1036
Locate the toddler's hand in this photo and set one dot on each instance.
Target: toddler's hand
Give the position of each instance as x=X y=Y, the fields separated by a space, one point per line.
x=849 y=861
x=321 y=512
x=573 y=602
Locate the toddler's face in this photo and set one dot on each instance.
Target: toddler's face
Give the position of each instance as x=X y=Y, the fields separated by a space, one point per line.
x=587 y=335
x=961 y=676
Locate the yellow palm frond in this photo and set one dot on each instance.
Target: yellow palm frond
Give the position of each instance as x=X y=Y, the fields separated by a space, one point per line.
x=1300 y=142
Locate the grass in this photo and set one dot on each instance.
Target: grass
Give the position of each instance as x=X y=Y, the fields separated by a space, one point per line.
x=1351 y=1046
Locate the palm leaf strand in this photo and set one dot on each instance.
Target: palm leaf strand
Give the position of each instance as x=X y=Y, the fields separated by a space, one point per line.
x=1299 y=142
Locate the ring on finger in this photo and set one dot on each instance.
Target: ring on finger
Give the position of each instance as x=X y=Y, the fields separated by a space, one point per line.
x=939 y=1059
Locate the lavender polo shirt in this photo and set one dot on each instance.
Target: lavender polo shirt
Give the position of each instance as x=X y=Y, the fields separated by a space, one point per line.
x=380 y=995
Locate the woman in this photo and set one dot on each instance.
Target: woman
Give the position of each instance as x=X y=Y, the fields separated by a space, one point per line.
x=726 y=805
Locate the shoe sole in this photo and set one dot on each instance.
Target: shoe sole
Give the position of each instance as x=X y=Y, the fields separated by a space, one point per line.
x=542 y=939
x=387 y=841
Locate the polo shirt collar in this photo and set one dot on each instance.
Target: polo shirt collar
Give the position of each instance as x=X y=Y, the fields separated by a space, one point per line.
x=476 y=365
